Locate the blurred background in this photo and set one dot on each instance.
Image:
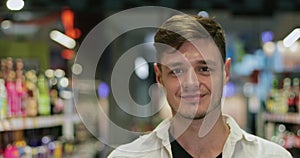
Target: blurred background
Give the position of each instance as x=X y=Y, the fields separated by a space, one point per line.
x=39 y=40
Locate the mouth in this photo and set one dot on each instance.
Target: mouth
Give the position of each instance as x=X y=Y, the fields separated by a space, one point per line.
x=192 y=98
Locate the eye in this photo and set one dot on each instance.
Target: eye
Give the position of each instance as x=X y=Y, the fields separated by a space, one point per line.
x=176 y=71
x=205 y=70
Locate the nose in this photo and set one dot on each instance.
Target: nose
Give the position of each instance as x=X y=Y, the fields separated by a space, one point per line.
x=189 y=80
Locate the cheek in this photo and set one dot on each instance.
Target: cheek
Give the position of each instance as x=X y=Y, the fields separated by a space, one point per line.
x=216 y=85
x=171 y=84
x=205 y=82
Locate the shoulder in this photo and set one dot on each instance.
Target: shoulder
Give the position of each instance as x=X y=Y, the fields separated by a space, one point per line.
x=243 y=144
x=265 y=147
x=136 y=148
x=148 y=145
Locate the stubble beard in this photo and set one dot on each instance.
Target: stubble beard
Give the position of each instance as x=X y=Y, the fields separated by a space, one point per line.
x=197 y=116
x=194 y=115
x=189 y=115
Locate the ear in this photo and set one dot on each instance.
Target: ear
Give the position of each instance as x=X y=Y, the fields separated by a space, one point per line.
x=158 y=74
x=227 y=65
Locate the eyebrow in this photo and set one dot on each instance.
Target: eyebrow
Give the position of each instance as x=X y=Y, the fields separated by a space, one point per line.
x=174 y=64
x=207 y=62
x=202 y=62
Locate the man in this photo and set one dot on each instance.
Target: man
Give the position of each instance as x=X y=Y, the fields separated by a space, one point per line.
x=192 y=68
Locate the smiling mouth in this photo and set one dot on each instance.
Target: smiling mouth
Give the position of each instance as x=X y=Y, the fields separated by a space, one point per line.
x=192 y=98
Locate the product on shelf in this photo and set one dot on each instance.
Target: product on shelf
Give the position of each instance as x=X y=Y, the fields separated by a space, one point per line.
x=11 y=151
x=25 y=98
x=13 y=102
x=37 y=144
x=14 y=83
x=20 y=87
x=57 y=104
x=31 y=100
x=289 y=95
x=20 y=142
x=27 y=93
x=296 y=91
x=283 y=135
x=3 y=69
x=44 y=107
x=276 y=102
x=285 y=99
x=3 y=100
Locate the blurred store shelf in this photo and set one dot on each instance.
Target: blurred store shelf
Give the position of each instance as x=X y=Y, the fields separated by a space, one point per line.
x=284 y=118
x=22 y=123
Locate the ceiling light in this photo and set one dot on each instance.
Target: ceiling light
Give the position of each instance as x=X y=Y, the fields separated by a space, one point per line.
x=62 y=39
x=6 y=24
x=291 y=38
x=15 y=4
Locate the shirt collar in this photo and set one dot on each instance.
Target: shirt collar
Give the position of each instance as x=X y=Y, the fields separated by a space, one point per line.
x=235 y=131
x=161 y=131
x=236 y=134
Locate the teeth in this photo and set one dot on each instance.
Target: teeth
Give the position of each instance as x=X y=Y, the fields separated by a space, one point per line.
x=195 y=97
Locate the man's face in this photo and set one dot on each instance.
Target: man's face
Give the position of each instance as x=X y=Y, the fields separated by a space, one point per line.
x=193 y=78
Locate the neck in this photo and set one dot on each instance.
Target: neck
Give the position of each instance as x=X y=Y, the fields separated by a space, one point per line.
x=181 y=126
x=186 y=132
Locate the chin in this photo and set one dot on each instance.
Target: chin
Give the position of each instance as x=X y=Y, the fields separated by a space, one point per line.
x=190 y=116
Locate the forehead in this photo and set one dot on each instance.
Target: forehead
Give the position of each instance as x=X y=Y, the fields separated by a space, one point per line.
x=193 y=51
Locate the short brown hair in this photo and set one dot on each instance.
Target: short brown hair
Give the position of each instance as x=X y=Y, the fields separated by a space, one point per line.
x=180 y=28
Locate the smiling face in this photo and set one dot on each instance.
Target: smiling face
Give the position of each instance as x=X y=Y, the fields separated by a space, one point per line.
x=193 y=78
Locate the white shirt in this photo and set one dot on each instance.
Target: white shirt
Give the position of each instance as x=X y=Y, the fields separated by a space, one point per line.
x=239 y=144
